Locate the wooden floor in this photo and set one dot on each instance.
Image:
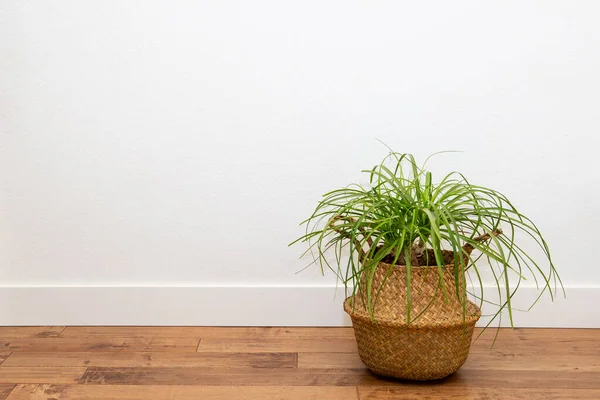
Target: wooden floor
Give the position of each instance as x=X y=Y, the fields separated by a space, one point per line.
x=181 y=363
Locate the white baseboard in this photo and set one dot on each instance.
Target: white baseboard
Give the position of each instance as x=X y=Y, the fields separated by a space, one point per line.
x=242 y=306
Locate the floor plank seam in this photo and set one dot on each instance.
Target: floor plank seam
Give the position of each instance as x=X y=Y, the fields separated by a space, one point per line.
x=10 y=392
x=149 y=344
x=61 y=332
x=2 y=361
x=82 y=378
x=357 y=393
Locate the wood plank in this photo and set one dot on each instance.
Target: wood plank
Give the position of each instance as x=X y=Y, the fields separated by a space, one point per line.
x=108 y=392
x=520 y=379
x=506 y=346
x=440 y=392
x=281 y=345
x=532 y=362
x=61 y=344
x=229 y=376
x=565 y=342
x=542 y=333
x=330 y=360
x=331 y=377
x=277 y=333
x=174 y=344
x=202 y=331
x=526 y=337
x=526 y=341
x=41 y=374
x=3 y=356
x=30 y=331
x=74 y=344
x=506 y=334
x=545 y=347
x=5 y=390
x=132 y=331
x=477 y=361
x=152 y=359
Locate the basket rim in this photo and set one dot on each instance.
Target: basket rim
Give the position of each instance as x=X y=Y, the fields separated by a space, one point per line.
x=470 y=318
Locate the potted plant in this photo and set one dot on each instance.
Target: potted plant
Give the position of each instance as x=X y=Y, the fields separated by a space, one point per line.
x=413 y=244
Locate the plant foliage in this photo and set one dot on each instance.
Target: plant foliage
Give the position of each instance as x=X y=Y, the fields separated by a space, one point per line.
x=403 y=215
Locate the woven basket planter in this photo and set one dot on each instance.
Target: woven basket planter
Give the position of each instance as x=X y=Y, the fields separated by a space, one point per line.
x=434 y=345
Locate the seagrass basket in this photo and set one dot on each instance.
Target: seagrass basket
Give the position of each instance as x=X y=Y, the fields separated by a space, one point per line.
x=437 y=341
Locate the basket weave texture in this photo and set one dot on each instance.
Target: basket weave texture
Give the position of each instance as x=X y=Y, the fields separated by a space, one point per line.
x=434 y=345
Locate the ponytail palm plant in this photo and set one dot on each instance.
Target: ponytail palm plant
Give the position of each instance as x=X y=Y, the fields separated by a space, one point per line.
x=405 y=217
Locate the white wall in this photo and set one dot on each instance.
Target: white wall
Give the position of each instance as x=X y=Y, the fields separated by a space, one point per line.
x=160 y=143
